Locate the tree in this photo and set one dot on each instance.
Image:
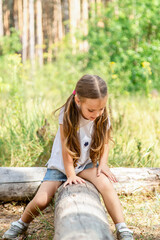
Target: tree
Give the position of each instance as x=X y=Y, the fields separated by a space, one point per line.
x=1 y=19
x=74 y=19
x=85 y=23
x=6 y=16
x=25 y=31
x=20 y=16
x=39 y=32
x=31 y=31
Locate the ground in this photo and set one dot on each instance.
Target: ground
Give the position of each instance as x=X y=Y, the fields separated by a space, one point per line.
x=141 y=213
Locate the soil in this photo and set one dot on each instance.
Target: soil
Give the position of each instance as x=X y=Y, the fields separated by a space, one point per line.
x=43 y=226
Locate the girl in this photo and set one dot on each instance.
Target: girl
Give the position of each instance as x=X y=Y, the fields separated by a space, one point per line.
x=79 y=153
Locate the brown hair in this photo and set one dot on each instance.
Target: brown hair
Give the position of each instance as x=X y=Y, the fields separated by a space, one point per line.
x=89 y=86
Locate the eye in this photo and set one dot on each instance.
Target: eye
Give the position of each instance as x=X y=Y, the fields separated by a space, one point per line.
x=90 y=110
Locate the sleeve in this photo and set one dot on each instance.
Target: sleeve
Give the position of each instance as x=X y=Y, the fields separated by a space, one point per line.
x=108 y=124
x=61 y=114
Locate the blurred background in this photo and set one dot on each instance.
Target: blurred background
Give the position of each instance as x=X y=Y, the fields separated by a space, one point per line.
x=47 y=45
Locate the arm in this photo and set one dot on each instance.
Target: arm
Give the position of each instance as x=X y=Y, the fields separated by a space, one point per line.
x=103 y=167
x=68 y=163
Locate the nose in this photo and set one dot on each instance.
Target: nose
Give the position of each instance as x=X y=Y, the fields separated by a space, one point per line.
x=97 y=114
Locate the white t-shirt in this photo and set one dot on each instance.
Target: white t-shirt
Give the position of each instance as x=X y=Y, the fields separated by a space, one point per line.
x=85 y=135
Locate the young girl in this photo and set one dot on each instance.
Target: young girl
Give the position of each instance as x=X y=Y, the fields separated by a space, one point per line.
x=79 y=153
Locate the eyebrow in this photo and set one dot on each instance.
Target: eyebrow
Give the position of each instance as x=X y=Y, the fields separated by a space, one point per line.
x=95 y=109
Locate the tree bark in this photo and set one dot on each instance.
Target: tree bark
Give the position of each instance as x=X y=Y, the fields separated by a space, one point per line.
x=25 y=31
x=20 y=17
x=39 y=46
x=20 y=183
x=6 y=17
x=1 y=19
x=57 y=23
x=31 y=32
x=79 y=214
x=74 y=18
x=65 y=16
x=85 y=24
x=15 y=14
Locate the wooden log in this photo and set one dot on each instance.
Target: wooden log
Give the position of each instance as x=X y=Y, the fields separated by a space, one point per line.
x=134 y=180
x=79 y=214
x=21 y=183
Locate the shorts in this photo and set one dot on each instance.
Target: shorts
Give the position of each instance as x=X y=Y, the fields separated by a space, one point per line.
x=56 y=175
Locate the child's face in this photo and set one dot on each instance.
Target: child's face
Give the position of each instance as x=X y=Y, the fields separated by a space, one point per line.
x=92 y=108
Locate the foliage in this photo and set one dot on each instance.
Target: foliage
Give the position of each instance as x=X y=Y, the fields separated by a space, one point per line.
x=126 y=34
x=10 y=44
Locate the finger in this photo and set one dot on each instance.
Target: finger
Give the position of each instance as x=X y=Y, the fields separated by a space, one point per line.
x=98 y=172
x=65 y=184
x=109 y=175
x=114 y=177
x=70 y=183
x=75 y=181
x=83 y=181
x=80 y=181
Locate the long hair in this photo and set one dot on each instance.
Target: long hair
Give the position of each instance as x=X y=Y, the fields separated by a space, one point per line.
x=94 y=87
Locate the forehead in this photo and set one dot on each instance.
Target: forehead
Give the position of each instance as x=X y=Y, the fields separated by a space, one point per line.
x=95 y=103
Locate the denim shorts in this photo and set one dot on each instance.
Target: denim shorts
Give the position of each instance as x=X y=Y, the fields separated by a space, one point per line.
x=56 y=175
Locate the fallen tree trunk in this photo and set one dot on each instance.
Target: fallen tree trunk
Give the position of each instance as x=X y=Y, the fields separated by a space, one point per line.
x=21 y=183
x=134 y=180
x=79 y=214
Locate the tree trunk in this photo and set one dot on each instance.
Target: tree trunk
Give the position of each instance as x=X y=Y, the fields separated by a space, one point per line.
x=25 y=31
x=57 y=22
x=65 y=16
x=6 y=16
x=15 y=14
x=85 y=24
x=39 y=32
x=79 y=214
x=1 y=19
x=31 y=31
x=20 y=183
x=20 y=17
x=134 y=180
x=74 y=18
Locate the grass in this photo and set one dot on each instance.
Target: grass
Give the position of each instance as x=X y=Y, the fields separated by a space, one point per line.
x=28 y=128
x=141 y=213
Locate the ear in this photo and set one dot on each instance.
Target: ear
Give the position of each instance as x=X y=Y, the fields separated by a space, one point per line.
x=77 y=100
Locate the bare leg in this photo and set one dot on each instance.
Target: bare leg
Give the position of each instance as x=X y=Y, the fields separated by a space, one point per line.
x=41 y=200
x=109 y=195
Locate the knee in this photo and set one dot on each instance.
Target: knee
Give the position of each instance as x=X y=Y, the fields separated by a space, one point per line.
x=41 y=201
x=104 y=185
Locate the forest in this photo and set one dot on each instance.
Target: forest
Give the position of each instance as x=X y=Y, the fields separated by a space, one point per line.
x=46 y=46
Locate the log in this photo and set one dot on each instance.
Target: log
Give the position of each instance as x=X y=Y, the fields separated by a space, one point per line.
x=79 y=214
x=137 y=180
x=21 y=183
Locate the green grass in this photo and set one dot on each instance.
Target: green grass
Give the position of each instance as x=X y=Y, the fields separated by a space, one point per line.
x=25 y=139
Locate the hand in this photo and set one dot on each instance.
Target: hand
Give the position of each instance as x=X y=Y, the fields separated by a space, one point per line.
x=106 y=171
x=74 y=179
